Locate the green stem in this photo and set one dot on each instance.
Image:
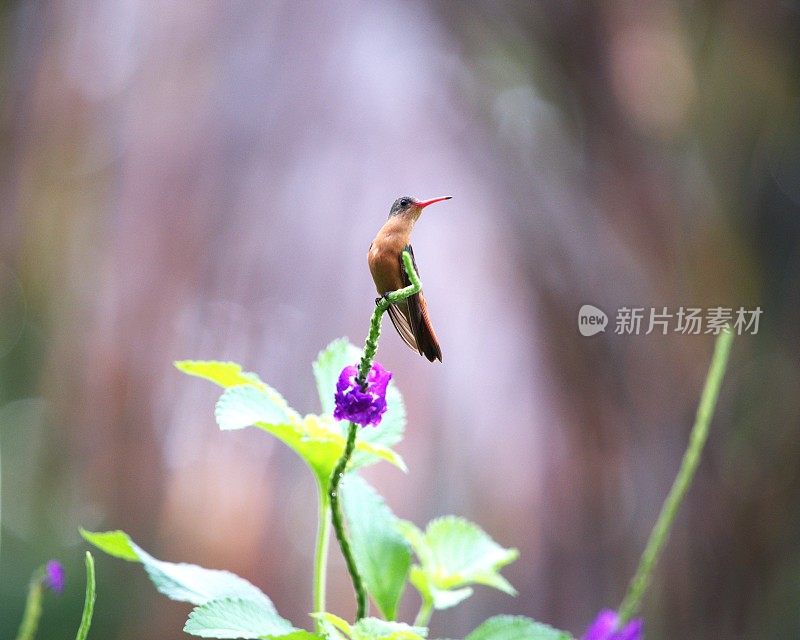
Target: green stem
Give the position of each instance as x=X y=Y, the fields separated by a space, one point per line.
x=425 y=612
x=88 y=603
x=364 y=367
x=691 y=458
x=33 y=608
x=338 y=523
x=321 y=553
x=1 y=499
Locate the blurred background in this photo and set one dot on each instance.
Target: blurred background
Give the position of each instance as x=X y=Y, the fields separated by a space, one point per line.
x=202 y=179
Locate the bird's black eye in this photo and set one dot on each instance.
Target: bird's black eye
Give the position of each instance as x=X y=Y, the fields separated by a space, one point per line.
x=404 y=202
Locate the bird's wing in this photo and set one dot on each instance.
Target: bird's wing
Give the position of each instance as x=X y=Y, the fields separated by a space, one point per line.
x=398 y=314
x=415 y=315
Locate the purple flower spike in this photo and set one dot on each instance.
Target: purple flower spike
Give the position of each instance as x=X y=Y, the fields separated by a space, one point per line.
x=605 y=624
x=365 y=406
x=54 y=576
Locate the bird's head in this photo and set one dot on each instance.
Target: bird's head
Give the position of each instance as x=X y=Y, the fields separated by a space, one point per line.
x=408 y=206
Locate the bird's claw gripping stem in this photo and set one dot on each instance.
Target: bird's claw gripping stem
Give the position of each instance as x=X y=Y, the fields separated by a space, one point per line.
x=406 y=292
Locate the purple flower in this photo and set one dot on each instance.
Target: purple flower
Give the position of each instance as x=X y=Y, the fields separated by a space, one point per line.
x=362 y=406
x=54 y=577
x=605 y=624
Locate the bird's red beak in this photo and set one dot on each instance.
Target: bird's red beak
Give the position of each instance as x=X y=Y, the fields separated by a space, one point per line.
x=425 y=203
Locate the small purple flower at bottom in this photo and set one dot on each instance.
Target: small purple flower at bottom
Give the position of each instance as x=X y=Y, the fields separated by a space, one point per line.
x=605 y=624
x=54 y=576
x=362 y=406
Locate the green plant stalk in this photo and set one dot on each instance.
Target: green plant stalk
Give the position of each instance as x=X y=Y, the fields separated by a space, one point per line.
x=691 y=458
x=33 y=608
x=338 y=524
x=88 y=603
x=364 y=367
x=321 y=554
x=1 y=499
x=425 y=612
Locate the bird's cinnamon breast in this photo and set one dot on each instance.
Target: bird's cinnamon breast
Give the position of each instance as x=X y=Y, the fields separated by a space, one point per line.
x=384 y=257
x=384 y=266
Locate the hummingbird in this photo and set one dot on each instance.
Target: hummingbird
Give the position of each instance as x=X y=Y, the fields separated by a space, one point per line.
x=409 y=317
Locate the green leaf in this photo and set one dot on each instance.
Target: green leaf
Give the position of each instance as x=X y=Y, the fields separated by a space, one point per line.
x=243 y=405
x=327 y=367
x=224 y=374
x=178 y=581
x=334 y=625
x=441 y=598
x=114 y=543
x=88 y=602
x=382 y=554
x=237 y=618
x=516 y=628
x=337 y=628
x=454 y=553
x=318 y=440
x=329 y=632
x=376 y=629
x=387 y=434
